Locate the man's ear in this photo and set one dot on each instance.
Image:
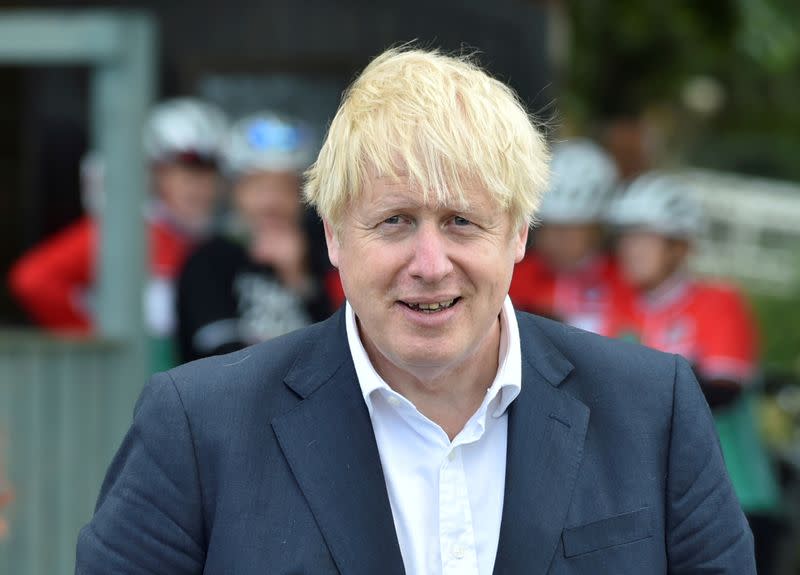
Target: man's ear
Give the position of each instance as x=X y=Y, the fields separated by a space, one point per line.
x=332 y=239
x=521 y=242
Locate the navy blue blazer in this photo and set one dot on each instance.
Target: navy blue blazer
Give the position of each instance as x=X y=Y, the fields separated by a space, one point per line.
x=264 y=461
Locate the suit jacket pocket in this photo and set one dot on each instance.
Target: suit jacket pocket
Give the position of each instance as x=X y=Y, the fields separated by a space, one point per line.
x=617 y=530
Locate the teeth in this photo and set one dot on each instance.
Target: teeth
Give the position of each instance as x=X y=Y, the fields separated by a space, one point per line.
x=431 y=307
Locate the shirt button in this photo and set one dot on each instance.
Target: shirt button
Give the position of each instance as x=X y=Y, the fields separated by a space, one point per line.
x=394 y=401
x=451 y=456
x=457 y=552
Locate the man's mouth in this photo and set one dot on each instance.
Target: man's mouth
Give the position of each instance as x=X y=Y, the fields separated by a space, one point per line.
x=432 y=307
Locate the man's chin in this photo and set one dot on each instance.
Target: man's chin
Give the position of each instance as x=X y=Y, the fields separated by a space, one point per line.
x=427 y=355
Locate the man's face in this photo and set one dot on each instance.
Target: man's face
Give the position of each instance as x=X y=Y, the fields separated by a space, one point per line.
x=189 y=192
x=565 y=246
x=648 y=259
x=427 y=282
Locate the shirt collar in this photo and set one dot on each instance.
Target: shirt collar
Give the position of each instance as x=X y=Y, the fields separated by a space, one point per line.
x=507 y=382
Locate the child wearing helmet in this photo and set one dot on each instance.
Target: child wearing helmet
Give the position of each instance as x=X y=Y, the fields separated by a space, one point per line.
x=568 y=274
x=255 y=280
x=182 y=141
x=707 y=322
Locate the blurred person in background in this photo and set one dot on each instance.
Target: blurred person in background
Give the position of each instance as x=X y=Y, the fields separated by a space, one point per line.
x=182 y=141
x=254 y=281
x=568 y=274
x=706 y=322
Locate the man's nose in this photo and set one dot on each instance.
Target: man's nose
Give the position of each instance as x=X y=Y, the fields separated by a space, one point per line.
x=430 y=261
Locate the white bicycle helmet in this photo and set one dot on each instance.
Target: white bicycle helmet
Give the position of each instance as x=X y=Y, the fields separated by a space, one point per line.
x=185 y=129
x=583 y=177
x=659 y=203
x=268 y=142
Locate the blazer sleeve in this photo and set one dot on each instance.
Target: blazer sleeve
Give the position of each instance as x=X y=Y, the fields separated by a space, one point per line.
x=149 y=516
x=707 y=531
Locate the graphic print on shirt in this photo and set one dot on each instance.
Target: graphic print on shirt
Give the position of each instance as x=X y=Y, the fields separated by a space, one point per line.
x=266 y=308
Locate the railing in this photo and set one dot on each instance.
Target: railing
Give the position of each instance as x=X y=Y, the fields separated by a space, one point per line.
x=754 y=234
x=64 y=407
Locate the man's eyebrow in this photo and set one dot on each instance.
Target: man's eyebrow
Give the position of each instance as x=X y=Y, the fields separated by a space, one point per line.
x=394 y=201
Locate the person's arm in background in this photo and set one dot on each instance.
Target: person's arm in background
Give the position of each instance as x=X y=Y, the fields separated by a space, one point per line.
x=706 y=529
x=149 y=516
x=285 y=248
x=727 y=337
x=718 y=392
x=52 y=280
x=207 y=317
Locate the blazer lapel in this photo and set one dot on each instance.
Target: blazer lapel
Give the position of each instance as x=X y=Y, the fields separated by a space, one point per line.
x=330 y=446
x=546 y=433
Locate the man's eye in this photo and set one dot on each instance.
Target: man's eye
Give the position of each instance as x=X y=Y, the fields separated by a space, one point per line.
x=461 y=221
x=393 y=220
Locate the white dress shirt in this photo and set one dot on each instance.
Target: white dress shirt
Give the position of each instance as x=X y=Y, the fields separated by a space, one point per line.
x=446 y=496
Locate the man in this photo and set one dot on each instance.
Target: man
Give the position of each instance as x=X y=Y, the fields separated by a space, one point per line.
x=568 y=274
x=254 y=281
x=426 y=427
x=707 y=322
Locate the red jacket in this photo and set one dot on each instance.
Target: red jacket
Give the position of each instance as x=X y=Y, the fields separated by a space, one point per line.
x=53 y=281
x=592 y=297
x=709 y=323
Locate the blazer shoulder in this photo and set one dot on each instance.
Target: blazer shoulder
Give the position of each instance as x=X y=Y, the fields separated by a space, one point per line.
x=567 y=338
x=602 y=366
x=238 y=377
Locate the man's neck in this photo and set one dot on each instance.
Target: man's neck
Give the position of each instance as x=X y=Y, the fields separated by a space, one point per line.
x=447 y=397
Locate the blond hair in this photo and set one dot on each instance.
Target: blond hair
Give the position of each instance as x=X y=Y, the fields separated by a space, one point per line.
x=436 y=120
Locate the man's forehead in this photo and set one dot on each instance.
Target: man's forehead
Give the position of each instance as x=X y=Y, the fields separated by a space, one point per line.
x=400 y=190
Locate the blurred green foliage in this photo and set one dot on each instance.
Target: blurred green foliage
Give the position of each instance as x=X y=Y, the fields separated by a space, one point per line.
x=779 y=321
x=630 y=55
x=626 y=54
